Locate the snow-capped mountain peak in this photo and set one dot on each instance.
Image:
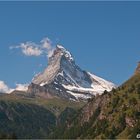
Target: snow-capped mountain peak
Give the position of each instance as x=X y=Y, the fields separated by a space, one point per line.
x=65 y=79
x=64 y=52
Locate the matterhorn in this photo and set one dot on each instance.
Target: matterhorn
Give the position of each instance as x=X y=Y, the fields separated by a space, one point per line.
x=63 y=78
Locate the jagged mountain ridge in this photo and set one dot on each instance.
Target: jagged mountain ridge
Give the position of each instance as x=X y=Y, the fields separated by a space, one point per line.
x=65 y=79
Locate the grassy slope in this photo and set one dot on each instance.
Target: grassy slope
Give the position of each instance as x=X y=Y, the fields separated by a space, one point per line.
x=31 y=117
x=55 y=105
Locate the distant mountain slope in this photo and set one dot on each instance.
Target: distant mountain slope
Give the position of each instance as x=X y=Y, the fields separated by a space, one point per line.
x=67 y=80
x=110 y=115
x=25 y=120
x=25 y=117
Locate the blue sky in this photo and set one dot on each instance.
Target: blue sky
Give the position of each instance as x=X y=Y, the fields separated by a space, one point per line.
x=104 y=37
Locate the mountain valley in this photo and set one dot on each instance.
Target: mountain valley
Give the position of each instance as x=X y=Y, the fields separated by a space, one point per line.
x=65 y=102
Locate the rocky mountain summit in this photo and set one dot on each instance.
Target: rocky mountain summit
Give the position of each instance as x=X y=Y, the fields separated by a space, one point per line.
x=63 y=78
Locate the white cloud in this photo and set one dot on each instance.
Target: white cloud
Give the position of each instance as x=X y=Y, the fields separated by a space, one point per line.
x=29 y=49
x=32 y=49
x=50 y=53
x=4 y=88
x=21 y=87
x=47 y=46
x=46 y=43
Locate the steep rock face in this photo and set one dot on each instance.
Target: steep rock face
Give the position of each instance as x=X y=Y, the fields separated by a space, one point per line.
x=65 y=79
x=36 y=90
x=61 y=68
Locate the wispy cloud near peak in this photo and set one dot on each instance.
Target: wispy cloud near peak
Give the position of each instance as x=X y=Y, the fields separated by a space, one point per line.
x=33 y=49
x=46 y=43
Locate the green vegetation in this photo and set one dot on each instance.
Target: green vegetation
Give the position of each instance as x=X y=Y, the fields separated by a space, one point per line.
x=24 y=117
x=25 y=120
x=116 y=116
x=55 y=105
